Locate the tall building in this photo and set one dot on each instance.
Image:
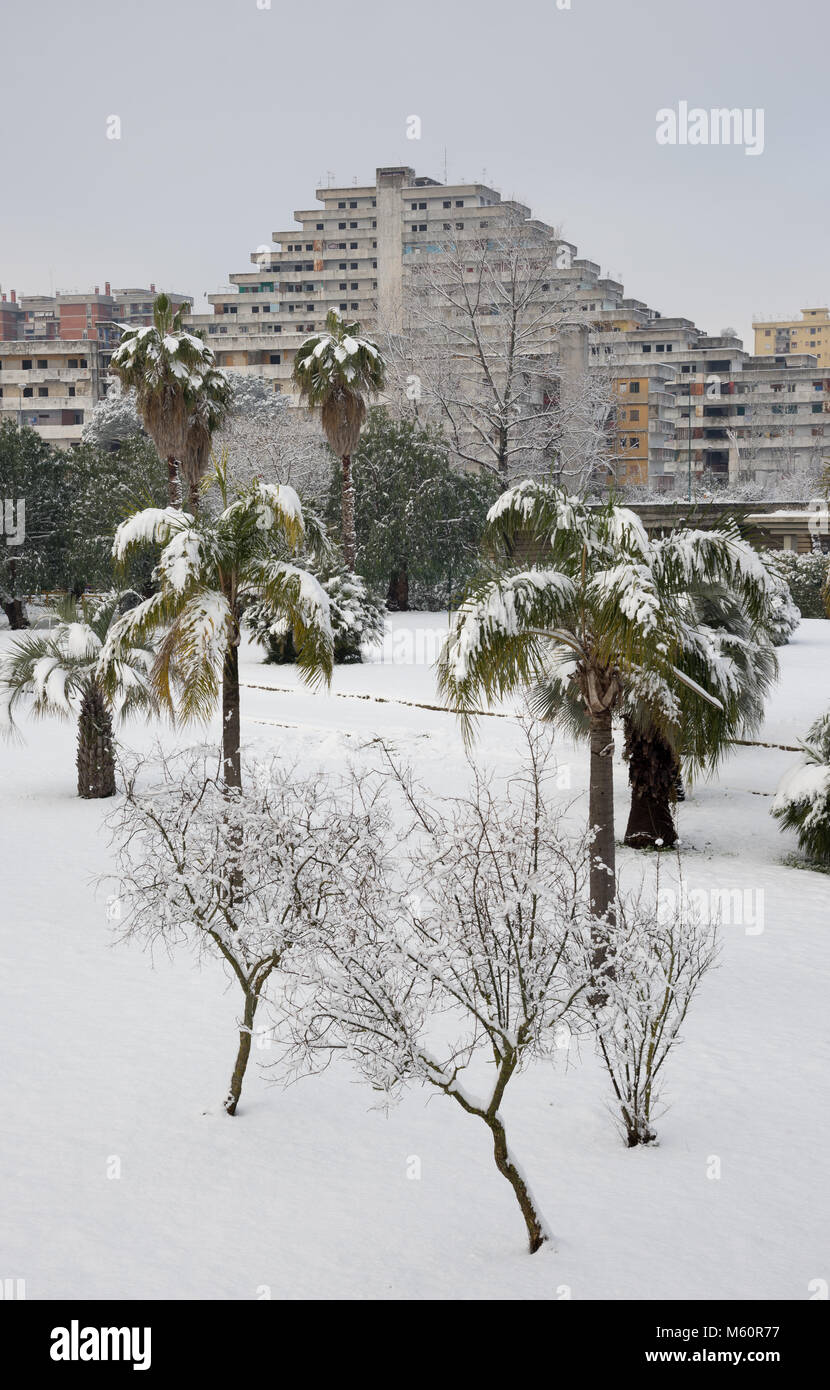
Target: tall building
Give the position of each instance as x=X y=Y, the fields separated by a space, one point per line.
x=810 y=333
x=55 y=352
x=353 y=254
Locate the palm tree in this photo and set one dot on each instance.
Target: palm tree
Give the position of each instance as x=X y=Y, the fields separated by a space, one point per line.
x=335 y=370
x=732 y=657
x=59 y=668
x=592 y=621
x=208 y=570
x=181 y=396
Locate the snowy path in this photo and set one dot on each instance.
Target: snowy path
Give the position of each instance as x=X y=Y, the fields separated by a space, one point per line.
x=107 y=1055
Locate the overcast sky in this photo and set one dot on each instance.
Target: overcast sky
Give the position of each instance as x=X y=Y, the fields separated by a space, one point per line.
x=231 y=115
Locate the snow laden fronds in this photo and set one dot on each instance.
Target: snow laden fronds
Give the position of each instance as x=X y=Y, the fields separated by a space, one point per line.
x=338 y=358
x=630 y=586
x=153 y=526
x=311 y=600
x=802 y=800
x=502 y=610
x=61 y=666
x=184 y=559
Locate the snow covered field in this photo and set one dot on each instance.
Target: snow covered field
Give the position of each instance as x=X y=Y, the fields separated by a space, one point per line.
x=109 y=1056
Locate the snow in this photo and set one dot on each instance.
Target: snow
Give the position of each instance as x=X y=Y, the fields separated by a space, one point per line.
x=111 y=1055
x=152 y=526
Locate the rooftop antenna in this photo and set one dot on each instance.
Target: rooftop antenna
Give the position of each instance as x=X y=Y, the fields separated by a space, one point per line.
x=329 y=177
x=445 y=164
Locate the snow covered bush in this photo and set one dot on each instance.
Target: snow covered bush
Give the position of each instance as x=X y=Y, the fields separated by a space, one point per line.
x=806 y=576
x=802 y=801
x=784 y=615
x=357 y=618
x=467 y=956
x=238 y=874
x=658 y=955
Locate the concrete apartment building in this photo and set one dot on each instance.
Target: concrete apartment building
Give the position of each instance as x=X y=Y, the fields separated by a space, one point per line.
x=719 y=412
x=55 y=352
x=809 y=334
x=52 y=385
x=354 y=253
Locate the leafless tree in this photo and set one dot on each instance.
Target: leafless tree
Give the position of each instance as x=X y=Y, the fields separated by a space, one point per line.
x=238 y=874
x=659 y=951
x=469 y=947
x=494 y=347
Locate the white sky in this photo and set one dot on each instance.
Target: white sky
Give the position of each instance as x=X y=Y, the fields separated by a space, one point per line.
x=231 y=115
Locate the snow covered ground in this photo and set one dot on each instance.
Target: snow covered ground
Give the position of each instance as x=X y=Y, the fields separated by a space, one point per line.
x=116 y=1062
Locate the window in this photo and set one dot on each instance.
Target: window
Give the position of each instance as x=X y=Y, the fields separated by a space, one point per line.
x=341 y=205
x=71 y=391
x=353 y=265
x=355 y=306
x=42 y=364
x=459 y=202
x=341 y=226
x=27 y=364
x=353 y=285
x=28 y=391
x=274 y=358
x=342 y=265
x=344 y=306
x=422 y=207
x=342 y=285
x=816 y=409
x=447 y=203
x=414 y=207
x=43 y=390
x=633 y=415
x=447 y=227
x=353 y=225
x=352 y=245
x=646 y=347
x=459 y=226
x=634 y=386
x=352 y=205
x=320 y=226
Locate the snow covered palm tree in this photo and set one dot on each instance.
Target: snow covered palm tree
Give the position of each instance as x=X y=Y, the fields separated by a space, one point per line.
x=592 y=620
x=59 y=670
x=181 y=395
x=336 y=369
x=728 y=653
x=208 y=570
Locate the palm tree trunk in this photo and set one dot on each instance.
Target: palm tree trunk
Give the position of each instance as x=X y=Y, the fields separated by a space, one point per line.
x=174 y=482
x=231 y=734
x=602 y=878
x=653 y=773
x=347 y=511
x=397 y=597
x=95 y=759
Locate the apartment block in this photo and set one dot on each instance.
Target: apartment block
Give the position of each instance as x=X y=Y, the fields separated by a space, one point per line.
x=810 y=334
x=50 y=385
x=55 y=352
x=354 y=253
